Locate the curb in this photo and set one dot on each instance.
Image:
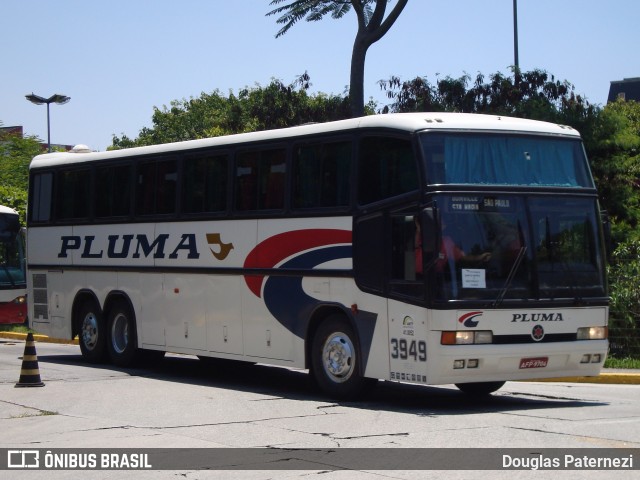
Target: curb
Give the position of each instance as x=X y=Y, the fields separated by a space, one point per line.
x=37 y=338
x=603 y=378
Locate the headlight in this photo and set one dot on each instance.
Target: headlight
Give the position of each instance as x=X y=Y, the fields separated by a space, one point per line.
x=592 y=333
x=466 y=337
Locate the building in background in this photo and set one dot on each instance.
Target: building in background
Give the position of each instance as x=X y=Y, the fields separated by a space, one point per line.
x=627 y=89
x=19 y=131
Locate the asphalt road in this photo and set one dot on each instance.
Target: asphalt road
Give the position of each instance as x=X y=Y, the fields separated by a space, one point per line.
x=182 y=402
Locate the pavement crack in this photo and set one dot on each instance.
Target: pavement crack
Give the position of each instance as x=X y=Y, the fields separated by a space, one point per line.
x=337 y=439
x=599 y=441
x=196 y=425
x=547 y=397
x=324 y=407
x=38 y=412
x=399 y=434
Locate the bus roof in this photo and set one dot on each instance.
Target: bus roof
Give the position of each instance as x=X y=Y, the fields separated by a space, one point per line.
x=7 y=210
x=408 y=122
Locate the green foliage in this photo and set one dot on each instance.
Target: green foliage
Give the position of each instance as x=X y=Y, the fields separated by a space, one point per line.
x=16 y=153
x=624 y=273
x=626 y=362
x=624 y=309
x=535 y=94
x=259 y=108
x=15 y=198
x=614 y=150
x=16 y=328
x=313 y=10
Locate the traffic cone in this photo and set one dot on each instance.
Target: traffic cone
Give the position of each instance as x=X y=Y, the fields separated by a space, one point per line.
x=30 y=373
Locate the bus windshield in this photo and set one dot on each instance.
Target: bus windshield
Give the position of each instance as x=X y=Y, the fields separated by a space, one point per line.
x=11 y=252
x=502 y=159
x=496 y=247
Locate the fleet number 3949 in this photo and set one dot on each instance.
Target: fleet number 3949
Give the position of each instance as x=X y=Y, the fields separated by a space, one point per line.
x=404 y=349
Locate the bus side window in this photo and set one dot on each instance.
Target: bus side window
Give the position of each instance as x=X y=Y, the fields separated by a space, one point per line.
x=246 y=179
x=386 y=168
x=407 y=256
x=204 y=184
x=41 y=192
x=406 y=248
x=321 y=175
x=156 y=187
x=113 y=191
x=275 y=179
x=369 y=252
x=72 y=194
x=260 y=180
x=166 y=187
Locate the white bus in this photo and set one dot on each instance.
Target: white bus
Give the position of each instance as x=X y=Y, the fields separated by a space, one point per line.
x=423 y=248
x=13 y=285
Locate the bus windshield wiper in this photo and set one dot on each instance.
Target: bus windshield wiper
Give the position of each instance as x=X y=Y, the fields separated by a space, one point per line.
x=512 y=273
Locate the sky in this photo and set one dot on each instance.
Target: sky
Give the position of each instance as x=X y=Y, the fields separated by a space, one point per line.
x=119 y=59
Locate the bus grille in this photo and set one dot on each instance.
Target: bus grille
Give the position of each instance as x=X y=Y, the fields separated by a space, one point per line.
x=40 y=297
x=549 y=338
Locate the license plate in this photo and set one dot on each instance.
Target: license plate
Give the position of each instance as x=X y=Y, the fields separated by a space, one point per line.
x=537 y=362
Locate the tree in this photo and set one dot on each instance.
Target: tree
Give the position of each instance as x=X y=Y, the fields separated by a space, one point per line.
x=258 y=108
x=16 y=153
x=624 y=272
x=534 y=94
x=372 y=26
x=614 y=150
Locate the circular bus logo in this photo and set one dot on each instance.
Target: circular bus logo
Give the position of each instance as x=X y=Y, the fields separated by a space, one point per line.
x=537 y=333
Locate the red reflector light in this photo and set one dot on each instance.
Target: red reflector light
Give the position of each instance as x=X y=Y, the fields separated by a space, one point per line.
x=448 y=338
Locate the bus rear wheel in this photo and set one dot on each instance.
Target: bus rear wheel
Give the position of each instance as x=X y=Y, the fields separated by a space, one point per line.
x=335 y=359
x=122 y=344
x=92 y=332
x=479 y=388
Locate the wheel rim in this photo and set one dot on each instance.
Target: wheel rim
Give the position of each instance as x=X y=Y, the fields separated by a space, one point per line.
x=90 y=331
x=338 y=357
x=120 y=333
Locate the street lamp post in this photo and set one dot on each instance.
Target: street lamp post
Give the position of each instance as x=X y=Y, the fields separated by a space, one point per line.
x=38 y=100
x=516 y=60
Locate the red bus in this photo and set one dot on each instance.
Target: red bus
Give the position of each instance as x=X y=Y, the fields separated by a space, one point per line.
x=13 y=305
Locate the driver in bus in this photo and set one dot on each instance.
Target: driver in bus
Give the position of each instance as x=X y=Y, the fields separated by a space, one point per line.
x=448 y=251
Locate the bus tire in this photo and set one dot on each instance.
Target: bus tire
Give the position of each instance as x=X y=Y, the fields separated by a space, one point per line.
x=335 y=359
x=92 y=332
x=122 y=344
x=479 y=388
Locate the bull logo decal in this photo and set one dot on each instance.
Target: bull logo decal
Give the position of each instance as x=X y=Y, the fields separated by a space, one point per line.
x=222 y=250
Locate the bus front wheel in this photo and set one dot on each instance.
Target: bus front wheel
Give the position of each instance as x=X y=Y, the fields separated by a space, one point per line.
x=92 y=333
x=122 y=344
x=335 y=359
